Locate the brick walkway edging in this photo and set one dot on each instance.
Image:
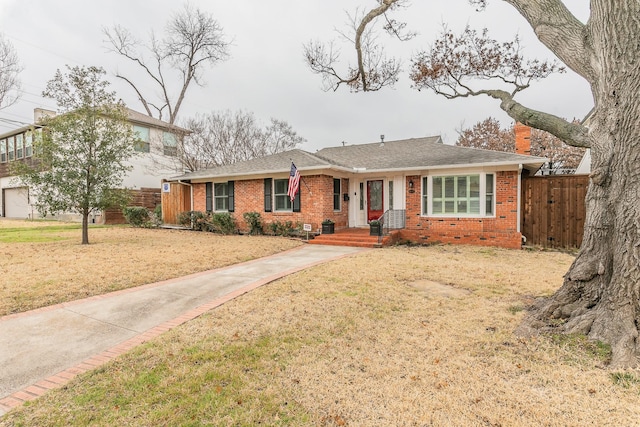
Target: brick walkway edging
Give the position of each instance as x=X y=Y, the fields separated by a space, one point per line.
x=61 y=378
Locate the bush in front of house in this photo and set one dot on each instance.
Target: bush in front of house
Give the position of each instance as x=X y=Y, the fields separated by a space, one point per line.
x=223 y=223
x=254 y=221
x=220 y=222
x=138 y=216
x=285 y=229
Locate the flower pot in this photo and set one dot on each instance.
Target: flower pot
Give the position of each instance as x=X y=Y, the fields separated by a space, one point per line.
x=375 y=229
x=327 y=228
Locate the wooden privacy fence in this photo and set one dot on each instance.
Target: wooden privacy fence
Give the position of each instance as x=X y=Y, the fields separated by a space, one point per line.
x=175 y=201
x=553 y=210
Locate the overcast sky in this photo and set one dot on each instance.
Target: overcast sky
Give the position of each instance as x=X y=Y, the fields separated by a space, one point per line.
x=266 y=73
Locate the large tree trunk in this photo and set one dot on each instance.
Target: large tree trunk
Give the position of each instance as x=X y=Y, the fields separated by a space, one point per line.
x=600 y=296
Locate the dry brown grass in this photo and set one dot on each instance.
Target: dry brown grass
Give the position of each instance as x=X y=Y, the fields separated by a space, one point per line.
x=38 y=274
x=354 y=342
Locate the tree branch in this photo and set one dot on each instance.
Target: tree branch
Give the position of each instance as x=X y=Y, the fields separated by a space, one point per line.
x=559 y=30
x=572 y=134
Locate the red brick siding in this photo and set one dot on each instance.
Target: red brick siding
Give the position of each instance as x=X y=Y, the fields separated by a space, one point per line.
x=316 y=202
x=500 y=230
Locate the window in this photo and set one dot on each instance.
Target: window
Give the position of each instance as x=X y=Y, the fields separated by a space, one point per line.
x=11 y=148
x=221 y=196
x=425 y=199
x=3 y=150
x=458 y=195
x=169 y=144
x=362 y=196
x=19 y=146
x=28 y=144
x=391 y=195
x=142 y=143
x=280 y=188
x=336 y=194
x=489 y=194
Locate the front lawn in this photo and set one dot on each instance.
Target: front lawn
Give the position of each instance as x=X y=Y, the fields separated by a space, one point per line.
x=43 y=263
x=391 y=337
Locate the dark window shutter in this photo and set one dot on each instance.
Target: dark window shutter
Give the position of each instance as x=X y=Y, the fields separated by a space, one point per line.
x=296 y=202
x=209 y=196
x=267 y=194
x=232 y=198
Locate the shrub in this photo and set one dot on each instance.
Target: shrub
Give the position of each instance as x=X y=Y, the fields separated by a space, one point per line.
x=137 y=216
x=193 y=219
x=286 y=229
x=222 y=223
x=157 y=213
x=254 y=221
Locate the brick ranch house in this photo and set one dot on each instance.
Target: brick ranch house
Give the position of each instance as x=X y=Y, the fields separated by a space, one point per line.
x=429 y=191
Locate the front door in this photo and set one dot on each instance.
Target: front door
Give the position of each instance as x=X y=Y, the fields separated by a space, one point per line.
x=374 y=200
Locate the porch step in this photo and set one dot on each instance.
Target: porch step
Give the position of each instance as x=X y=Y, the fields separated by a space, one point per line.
x=356 y=237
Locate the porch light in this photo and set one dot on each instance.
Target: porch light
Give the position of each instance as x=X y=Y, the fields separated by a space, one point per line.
x=411 y=184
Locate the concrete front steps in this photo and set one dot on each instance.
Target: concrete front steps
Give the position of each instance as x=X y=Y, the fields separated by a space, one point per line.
x=356 y=237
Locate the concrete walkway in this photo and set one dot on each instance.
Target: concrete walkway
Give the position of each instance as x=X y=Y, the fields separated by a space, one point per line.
x=43 y=349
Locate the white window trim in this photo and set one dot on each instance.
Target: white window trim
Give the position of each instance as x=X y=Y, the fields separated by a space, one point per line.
x=483 y=195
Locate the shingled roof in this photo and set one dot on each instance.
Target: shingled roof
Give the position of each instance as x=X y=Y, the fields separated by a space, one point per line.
x=408 y=154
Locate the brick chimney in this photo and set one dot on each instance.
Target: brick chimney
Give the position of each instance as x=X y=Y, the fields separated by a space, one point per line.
x=523 y=139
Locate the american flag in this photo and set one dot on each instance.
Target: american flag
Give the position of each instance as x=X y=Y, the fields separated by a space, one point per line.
x=294 y=182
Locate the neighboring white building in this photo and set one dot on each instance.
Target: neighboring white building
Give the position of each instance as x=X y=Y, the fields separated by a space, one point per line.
x=156 y=158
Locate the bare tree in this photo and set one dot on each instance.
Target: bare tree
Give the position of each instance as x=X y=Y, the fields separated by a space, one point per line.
x=222 y=138
x=600 y=296
x=193 y=39
x=9 y=70
x=488 y=135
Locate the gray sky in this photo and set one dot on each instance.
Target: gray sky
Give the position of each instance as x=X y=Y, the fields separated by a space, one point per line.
x=266 y=73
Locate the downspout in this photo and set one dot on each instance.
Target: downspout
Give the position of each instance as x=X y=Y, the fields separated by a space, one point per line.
x=519 y=208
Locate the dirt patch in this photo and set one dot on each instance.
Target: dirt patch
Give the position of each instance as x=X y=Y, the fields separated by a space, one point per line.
x=429 y=287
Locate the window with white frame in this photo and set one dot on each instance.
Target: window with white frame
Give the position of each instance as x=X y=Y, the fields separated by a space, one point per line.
x=11 y=148
x=3 y=150
x=458 y=195
x=19 y=146
x=28 y=144
x=282 y=199
x=169 y=144
x=142 y=142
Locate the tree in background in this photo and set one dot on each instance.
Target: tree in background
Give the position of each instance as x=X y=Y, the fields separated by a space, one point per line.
x=222 y=138
x=82 y=151
x=9 y=70
x=488 y=135
x=193 y=39
x=600 y=293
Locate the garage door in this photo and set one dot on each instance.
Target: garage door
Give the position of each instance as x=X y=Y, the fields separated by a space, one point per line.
x=16 y=202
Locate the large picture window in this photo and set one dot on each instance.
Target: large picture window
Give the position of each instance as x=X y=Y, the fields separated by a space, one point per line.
x=458 y=195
